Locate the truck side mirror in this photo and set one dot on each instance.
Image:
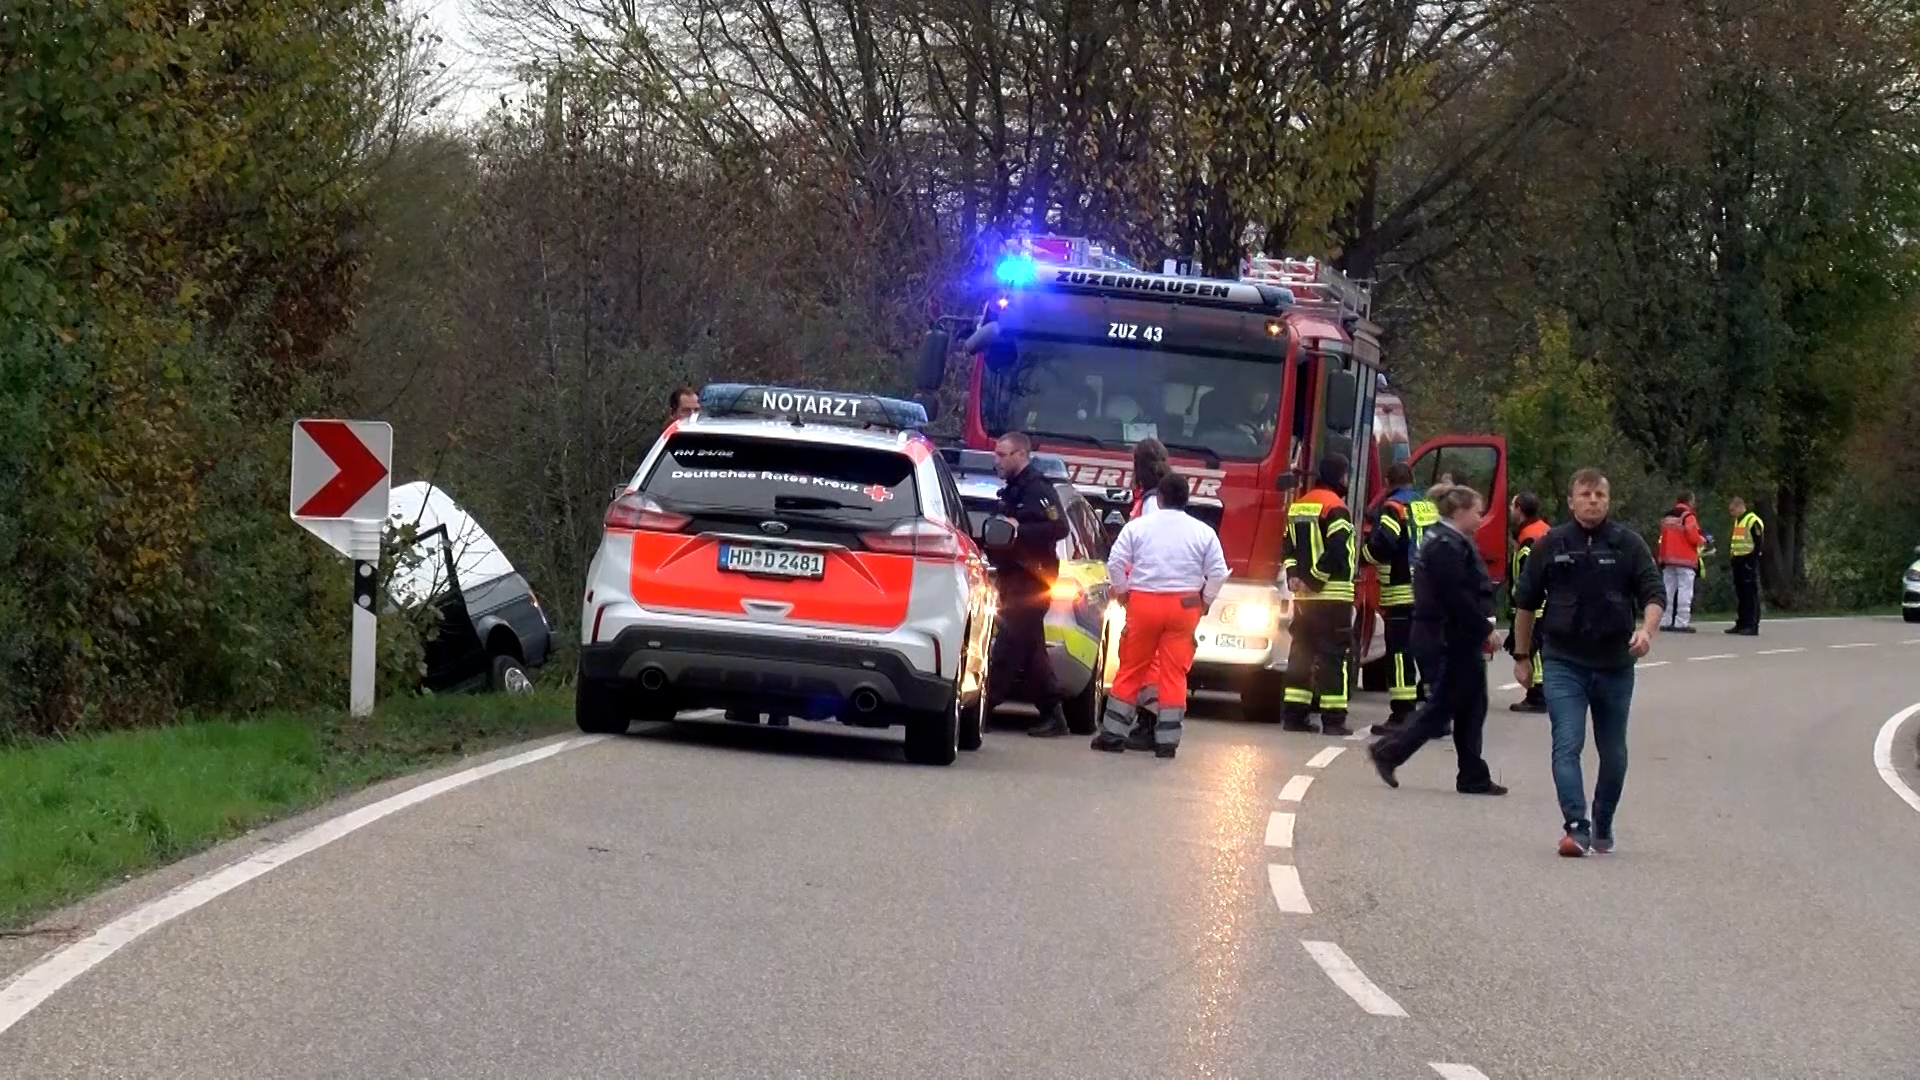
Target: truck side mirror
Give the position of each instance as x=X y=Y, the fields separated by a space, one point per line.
x=1342 y=392
x=932 y=368
x=996 y=532
x=1286 y=481
x=931 y=403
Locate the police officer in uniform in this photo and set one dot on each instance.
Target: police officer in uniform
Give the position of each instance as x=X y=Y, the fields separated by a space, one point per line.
x=1524 y=516
x=1749 y=537
x=1392 y=538
x=1024 y=572
x=1318 y=558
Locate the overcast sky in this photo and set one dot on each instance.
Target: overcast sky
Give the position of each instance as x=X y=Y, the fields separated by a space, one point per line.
x=477 y=82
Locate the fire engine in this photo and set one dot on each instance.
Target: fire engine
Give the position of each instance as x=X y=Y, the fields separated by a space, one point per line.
x=1247 y=381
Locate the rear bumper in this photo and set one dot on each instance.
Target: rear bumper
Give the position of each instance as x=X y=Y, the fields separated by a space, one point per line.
x=718 y=669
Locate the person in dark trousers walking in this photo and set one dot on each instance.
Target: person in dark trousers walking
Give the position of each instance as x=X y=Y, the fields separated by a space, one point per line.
x=1393 y=535
x=1452 y=636
x=1749 y=540
x=1318 y=558
x=1524 y=516
x=1024 y=572
x=1594 y=575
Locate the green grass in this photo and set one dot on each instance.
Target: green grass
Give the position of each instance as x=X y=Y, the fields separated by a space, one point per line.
x=79 y=814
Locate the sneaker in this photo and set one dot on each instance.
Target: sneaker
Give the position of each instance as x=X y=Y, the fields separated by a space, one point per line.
x=1602 y=843
x=1683 y=630
x=1575 y=843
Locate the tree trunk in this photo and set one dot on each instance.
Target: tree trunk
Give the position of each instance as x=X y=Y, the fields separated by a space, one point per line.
x=1783 y=561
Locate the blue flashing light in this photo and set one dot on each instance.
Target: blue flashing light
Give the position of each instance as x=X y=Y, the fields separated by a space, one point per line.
x=1016 y=270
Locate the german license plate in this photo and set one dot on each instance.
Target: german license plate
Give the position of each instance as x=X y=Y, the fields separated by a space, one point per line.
x=775 y=562
x=1229 y=641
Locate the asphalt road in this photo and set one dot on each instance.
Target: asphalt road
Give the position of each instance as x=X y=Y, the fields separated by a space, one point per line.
x=709 y=900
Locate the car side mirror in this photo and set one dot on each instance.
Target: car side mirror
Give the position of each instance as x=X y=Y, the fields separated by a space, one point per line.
x=996 y=532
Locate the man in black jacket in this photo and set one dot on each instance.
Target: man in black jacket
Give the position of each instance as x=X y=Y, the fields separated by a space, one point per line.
x=1594 y=576
x=1452 y=638
x=1024 y=573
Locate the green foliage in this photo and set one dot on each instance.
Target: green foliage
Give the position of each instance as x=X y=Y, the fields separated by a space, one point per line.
x=1557 y=415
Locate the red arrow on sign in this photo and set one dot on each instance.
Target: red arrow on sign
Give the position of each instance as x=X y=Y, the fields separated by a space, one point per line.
x=359 y=469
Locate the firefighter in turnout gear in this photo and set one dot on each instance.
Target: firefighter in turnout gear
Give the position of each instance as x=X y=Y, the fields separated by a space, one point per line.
x=1749 y=537
x=1393 y=536
x=1524 y=515
x=1318 y=557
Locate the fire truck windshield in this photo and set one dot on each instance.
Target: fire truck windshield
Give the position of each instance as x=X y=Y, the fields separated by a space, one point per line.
x=1116 y=397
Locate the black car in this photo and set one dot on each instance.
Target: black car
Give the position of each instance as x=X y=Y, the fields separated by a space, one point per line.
x=493 y=630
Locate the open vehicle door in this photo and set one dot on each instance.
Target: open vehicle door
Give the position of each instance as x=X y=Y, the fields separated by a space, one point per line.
x=1479 y=462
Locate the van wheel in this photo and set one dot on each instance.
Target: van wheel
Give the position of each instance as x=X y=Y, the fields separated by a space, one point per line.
x=1263 y=695
x=934 y=738
x=1910 y=614
x=508 y=676
x=600 y=708
x=1083 y=709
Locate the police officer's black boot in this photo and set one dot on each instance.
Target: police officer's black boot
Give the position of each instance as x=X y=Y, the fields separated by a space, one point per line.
x=1052 y=725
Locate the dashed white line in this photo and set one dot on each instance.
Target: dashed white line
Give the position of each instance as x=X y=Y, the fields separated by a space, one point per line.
x=1882 y=758
x=1510 y=686
x=1296 y=788
x=1911 y=641
x=1780 y=652
x=1457 y=1072
x=1715 y=656
x=1347 y=976
x=41 y=981
x=1325 y=757
x=1279 y=829
x=1854 y=645
x=1655 y=663
x=1285 y=882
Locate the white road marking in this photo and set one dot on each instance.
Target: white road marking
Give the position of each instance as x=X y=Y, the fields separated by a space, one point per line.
x=1279 y=829
x=1882 y=758
x=1654 y=663
x=1296 y=789
x=39 y=982
x=1780 y=652
x=1347 y=976
x=1715 y=656
x=1360 y=735
x=1854 y=645
x=1287 y=892
x=1911 y=641
x=1457 y=1072
x=1510 y=686
x=1325 y=757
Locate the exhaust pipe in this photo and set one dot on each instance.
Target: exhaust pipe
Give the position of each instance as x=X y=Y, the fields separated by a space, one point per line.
x=865 y=701
x=653 y=679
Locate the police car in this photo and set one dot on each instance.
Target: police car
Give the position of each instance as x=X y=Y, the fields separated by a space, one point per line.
x=1082 y=634
x=803 y=552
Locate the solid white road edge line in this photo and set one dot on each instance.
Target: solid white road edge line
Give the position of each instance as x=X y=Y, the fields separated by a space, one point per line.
x=1325 y=757
x=1780 y=652
x=1296 y=789
x=1279 y=829
x=1882 y=758
x=1457 y=1072
x=1285 y=882
x=1347 y=976
x=39 y=982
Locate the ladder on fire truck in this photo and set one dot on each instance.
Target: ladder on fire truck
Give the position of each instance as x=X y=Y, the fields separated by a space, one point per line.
x=1074 y=251
x=1313 y=283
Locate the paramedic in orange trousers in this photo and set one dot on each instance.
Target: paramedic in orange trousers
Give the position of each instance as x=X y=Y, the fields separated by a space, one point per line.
x=1150 y=466
x=1166 y=568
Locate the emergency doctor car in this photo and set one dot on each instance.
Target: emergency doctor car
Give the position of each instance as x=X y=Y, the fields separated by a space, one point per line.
x=800 y=552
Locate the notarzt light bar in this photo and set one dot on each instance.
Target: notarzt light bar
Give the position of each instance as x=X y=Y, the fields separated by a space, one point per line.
x=719 y=400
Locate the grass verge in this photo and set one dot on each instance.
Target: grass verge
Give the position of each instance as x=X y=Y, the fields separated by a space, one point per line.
x=79 y=814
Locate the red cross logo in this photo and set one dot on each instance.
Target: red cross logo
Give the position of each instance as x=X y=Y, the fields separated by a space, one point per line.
x=877 y=493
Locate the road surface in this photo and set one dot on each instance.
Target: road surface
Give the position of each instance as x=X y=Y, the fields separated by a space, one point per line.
x=714 y=901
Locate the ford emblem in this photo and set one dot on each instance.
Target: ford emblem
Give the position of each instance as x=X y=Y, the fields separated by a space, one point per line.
x=774 y=528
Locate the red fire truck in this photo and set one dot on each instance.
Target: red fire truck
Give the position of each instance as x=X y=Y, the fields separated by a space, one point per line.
x=1247 y=382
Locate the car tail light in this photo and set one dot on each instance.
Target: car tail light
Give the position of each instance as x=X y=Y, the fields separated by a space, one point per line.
x=636 y=511
x=919 y=538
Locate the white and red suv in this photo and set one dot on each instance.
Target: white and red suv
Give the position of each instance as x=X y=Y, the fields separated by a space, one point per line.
x=800 y=552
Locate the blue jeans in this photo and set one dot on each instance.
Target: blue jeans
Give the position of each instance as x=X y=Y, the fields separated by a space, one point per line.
x=1571 y=690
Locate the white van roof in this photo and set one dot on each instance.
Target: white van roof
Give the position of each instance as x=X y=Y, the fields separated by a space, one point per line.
x=476 y=557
